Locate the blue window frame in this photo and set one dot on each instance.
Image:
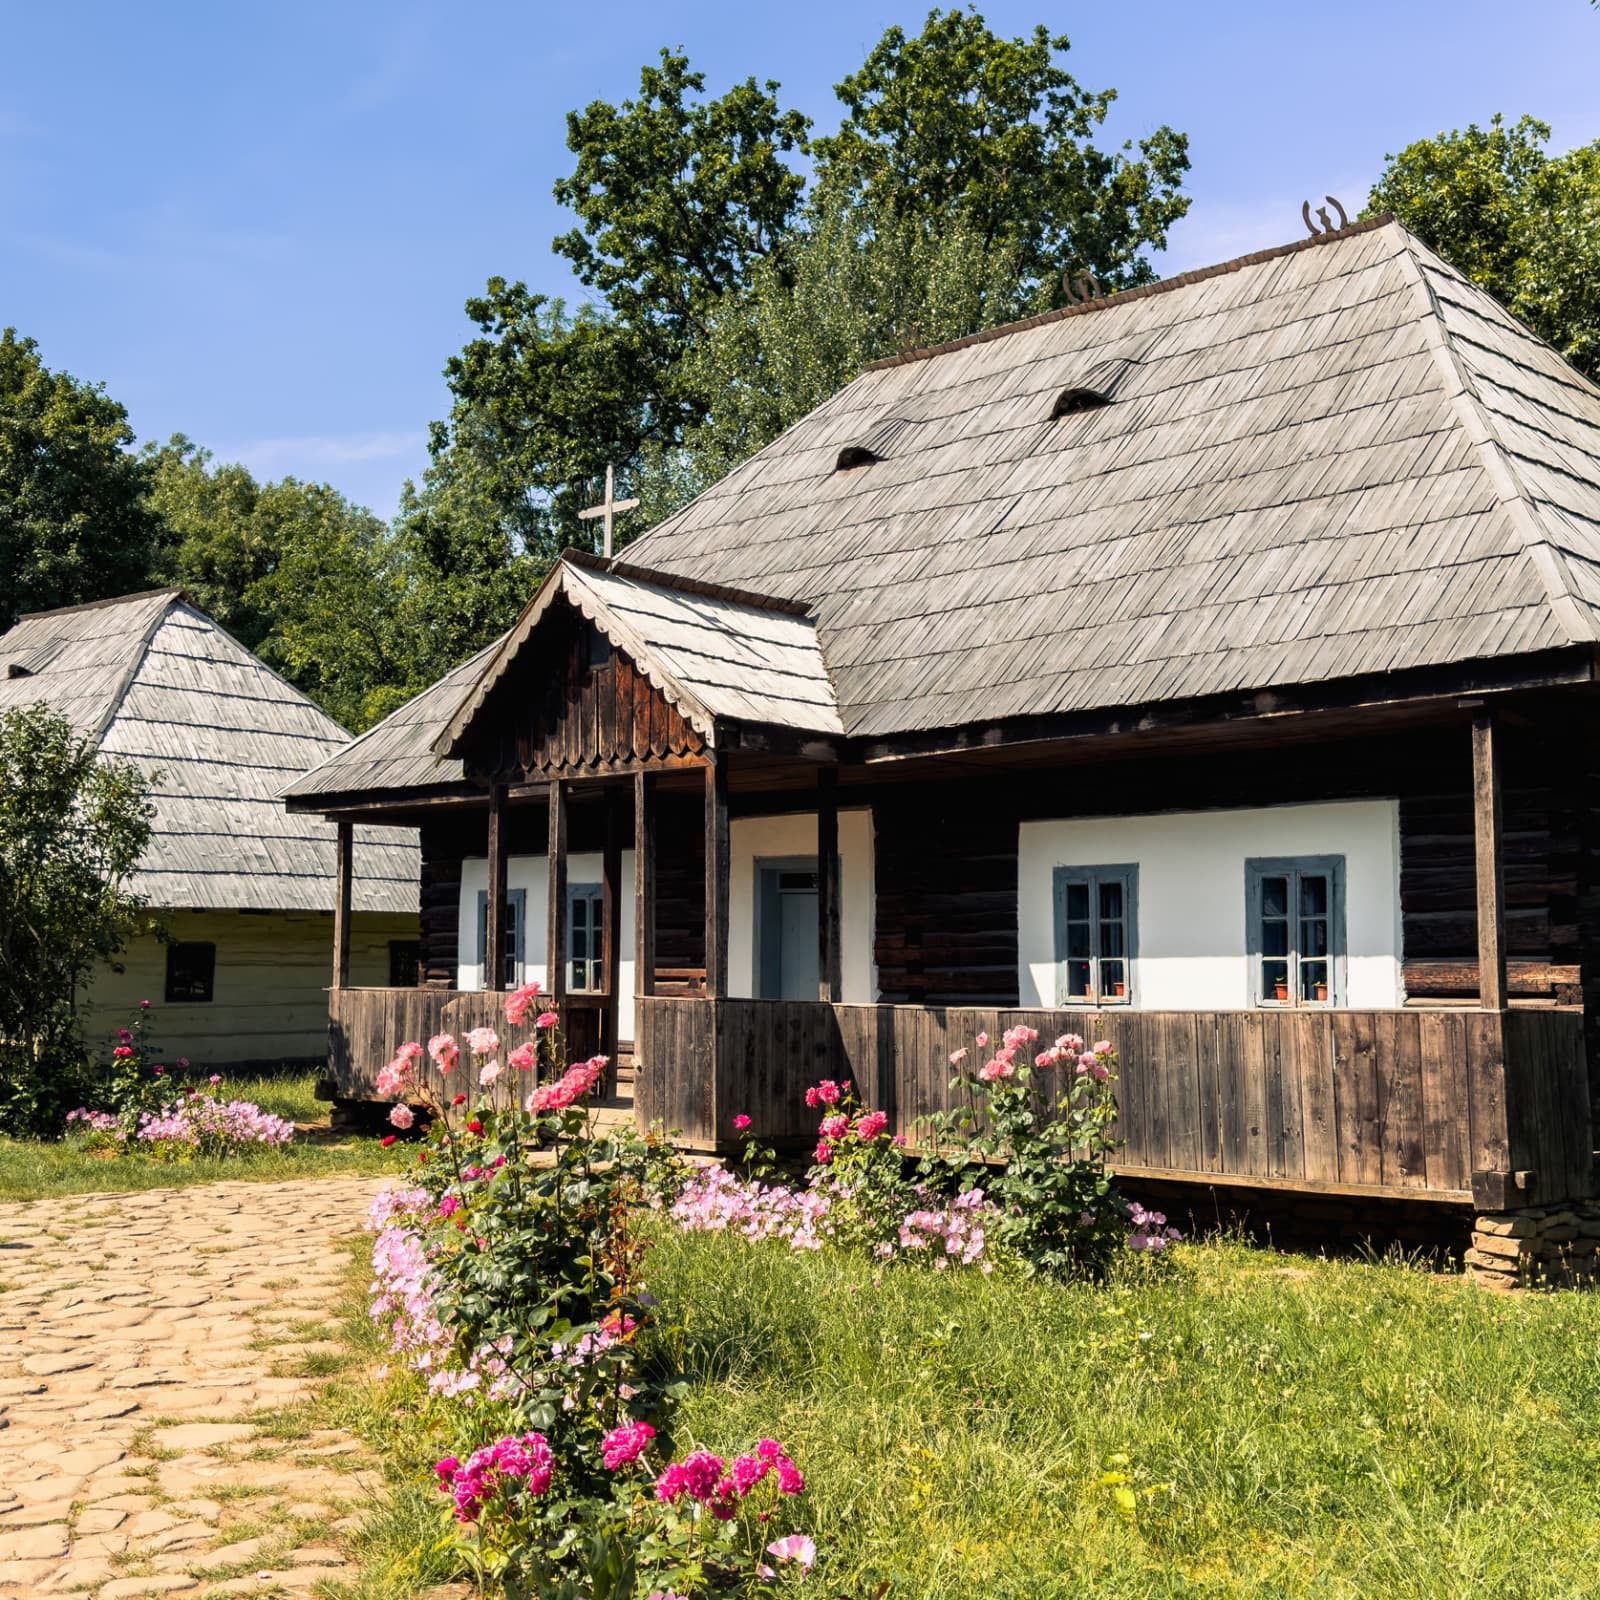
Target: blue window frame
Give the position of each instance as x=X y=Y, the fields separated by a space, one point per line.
x=516 y=921
x=1097 y=934
x=1295 y=912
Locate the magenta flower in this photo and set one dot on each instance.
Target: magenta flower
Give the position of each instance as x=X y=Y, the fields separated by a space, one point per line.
x=626 y=1444
x=740 y=1123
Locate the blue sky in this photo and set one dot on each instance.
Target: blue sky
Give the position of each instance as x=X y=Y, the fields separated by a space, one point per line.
x=257 y=224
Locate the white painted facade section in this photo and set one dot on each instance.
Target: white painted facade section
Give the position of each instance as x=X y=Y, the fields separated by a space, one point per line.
x=530 y=874
x=751 y=839
x=1192 y=948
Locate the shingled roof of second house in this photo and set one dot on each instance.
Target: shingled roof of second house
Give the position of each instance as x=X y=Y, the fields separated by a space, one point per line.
x=153 y=681
x=1330 y=459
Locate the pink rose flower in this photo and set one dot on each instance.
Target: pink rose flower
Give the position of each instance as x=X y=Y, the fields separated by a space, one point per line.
x=740 y=1123
x=401 y=1116
x=983 y=1041
x=524 y=1058
x=519 y=1001
x=483 y=1041
x=871 y=1125
x=958 y=1056
x=444 y=1050
x=546 y=1019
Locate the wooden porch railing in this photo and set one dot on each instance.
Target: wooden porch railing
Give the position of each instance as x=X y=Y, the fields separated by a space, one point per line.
x=1418 y=1103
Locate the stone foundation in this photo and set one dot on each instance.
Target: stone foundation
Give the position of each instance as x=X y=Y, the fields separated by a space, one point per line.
x=1537 y=1247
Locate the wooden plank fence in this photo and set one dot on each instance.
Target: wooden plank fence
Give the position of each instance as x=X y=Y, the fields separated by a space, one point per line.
x=1415 y=1103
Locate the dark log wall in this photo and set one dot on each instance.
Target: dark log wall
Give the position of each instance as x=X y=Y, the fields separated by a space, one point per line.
x=571 y=705
x=946 y=931
x=680 y=896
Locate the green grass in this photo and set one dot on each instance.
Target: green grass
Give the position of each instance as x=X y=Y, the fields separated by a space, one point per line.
x=30 y=1170
x=1338 y=1429
x=1330 y=1430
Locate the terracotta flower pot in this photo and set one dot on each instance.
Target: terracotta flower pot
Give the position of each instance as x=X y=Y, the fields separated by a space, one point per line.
x=1280 y=991
x=1322 y=991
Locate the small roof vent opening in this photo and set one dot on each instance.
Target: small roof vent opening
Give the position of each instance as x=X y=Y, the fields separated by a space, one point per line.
x=15 y=669
x=1073 y=400
x=1097 y=387
x=874 y=445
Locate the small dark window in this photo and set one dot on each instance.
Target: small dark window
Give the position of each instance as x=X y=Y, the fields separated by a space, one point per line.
x=1097 y=934
x=1296 y=915
x=599 y=646
x=191 y=972
x=405 y=963
x=516 y=920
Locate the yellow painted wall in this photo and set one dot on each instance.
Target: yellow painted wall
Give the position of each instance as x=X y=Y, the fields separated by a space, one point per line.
x=270 y=999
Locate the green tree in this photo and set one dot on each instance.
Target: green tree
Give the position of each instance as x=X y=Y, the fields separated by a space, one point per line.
x=72 y=830
x=853 y=285
x=74 y=522
x=1522 y=224
x=958 y=123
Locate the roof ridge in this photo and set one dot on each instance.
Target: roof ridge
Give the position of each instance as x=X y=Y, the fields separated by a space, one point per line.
x=171 y=590
x=1140 y=291
x=113 y=705
x=1546 y=557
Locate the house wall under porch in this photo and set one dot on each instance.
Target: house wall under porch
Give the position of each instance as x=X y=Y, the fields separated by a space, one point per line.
x=269 y=999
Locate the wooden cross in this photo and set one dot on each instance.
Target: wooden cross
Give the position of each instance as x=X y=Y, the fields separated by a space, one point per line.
x=609 y=507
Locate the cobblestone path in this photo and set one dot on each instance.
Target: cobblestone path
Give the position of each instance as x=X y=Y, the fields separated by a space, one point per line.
x=139 y=1334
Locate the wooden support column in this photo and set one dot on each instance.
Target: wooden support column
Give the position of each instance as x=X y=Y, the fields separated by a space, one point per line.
x=344 y=869
x=830 y=983
x=494 y=933
x=1490 y=862
x=556 y=911
x=644 y=886
x=611 y=921
x=716 y=879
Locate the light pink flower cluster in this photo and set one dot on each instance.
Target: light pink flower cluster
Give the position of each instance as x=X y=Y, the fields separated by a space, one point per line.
x=1003 y=1063
x=1150 y=1235
x=626 y=1444
x=519 y=1002
x=701 y=1477
x=394 y=1076
x=482 y=1041
x=952 y=1233
x=201 y=1122
x=511 y=1465
x=573 y=1085
x=95 y=1121
x=444 y=1052
x=716 y=1201
x=524 y=1058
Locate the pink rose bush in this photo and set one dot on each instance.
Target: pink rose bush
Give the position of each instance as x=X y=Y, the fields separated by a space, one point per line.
x=506 y=1277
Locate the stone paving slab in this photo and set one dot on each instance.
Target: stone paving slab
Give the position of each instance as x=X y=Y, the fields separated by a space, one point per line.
x=138 y=1334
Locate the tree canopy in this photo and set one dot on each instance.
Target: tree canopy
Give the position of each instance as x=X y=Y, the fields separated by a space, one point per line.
x=1521 y=223
x=75 y=523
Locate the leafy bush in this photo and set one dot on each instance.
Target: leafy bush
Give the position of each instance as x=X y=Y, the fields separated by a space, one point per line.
x=72 y=829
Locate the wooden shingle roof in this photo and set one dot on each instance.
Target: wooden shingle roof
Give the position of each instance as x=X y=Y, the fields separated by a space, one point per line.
x=714 y=656
x=153 y=681
x=1333 y=459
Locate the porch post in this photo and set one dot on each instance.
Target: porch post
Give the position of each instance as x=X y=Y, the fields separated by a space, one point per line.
x=644 y=886
x=494 y=933
x=1490 y=862
x=716 y=879
x=830 y=985
x=343 y=871
x=556 y=917
x=610 y=920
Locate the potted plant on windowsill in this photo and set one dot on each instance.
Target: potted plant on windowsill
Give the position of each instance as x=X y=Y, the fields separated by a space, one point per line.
x=1280 y=991
x=1321 y=991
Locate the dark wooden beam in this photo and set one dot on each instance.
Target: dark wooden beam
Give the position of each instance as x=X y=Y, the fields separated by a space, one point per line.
x=556 y=908
x=494 y=941
x=344 y=870
x=1490 y=862
x=830 y=984
x=716 y=879
x=644 y=885
x=611 y=920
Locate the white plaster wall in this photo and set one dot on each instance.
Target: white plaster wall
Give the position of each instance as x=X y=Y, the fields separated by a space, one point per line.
x=1192 y=937
x=530 y=873
x=753 y=838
